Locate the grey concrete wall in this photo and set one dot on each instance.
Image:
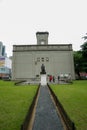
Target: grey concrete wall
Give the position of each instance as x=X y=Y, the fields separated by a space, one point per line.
x=27 y=63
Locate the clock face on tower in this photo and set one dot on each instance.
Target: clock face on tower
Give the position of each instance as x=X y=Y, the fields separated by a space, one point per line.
x=42 y=42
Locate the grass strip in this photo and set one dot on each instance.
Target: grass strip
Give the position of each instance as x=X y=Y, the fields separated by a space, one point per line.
x=73 y=97
x=14 y=104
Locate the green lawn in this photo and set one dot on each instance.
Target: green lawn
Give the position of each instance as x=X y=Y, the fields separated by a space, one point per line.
x=73 y=97
x=14 y=104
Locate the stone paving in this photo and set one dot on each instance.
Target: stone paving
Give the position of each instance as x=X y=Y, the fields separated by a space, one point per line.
x=46 y=117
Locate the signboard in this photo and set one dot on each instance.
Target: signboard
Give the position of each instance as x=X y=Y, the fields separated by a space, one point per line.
x=2 y=61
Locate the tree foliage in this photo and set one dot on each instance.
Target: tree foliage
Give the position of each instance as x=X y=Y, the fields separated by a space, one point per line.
x=77 y=62
x=84 y=50
x=84 y=53
x=80 y=58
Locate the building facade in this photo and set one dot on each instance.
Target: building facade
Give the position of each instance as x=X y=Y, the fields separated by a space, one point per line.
x=27 y=59
x=5 y=63
x=2 y=49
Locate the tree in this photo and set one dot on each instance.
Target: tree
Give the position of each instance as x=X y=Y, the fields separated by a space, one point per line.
x=84 y=53
x=78 y=62
x=85 y=37
x=84 y=50
x=80 y=58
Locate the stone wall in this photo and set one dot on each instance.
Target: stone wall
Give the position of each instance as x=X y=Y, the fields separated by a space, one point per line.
x=27 y=60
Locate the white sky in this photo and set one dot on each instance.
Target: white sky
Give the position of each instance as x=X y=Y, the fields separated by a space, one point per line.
x=65 y=20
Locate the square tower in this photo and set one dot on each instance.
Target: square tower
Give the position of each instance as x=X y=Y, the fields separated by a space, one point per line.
x=42 y=38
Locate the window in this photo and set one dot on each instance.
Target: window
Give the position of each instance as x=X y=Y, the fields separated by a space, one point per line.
x=47 y=59
x=37 y=75
x=42 y=59
x=2 y=69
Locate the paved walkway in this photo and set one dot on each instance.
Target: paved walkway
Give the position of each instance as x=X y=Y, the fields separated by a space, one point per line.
x=46 y=117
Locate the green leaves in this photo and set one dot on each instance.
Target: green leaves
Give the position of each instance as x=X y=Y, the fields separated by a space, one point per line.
x=80 y=58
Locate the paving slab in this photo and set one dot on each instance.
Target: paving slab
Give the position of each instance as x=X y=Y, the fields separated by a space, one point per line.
x=46 y=116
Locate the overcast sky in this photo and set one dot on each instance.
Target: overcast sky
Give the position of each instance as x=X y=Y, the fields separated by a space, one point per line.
x=65 y=20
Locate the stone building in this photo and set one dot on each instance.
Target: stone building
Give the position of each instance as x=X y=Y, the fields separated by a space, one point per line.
x=27 y=59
